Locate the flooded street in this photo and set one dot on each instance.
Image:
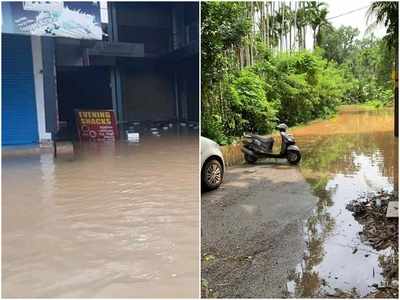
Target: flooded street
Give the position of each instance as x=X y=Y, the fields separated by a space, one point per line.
x=343 y=159
x=117 y=220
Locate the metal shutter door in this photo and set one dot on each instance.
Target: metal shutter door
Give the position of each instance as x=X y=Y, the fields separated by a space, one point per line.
x=19 y=120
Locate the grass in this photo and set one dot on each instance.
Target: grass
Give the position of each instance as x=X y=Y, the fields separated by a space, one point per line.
x=370 y=105
x=302 y=125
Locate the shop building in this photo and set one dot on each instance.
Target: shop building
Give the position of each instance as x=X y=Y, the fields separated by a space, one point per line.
x=145 y=67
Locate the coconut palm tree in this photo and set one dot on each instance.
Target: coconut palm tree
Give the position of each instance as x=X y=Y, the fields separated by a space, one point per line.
x=301 y=24
x=273 y=27
x=386 y=13
x=317 y=13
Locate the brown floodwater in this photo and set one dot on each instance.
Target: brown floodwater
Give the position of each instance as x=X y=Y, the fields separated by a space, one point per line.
x=343 y=158
x=114 y=220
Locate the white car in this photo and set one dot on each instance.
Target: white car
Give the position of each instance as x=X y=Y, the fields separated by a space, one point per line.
x=212 y=164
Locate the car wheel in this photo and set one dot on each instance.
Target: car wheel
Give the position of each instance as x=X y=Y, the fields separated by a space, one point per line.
x=212 y=174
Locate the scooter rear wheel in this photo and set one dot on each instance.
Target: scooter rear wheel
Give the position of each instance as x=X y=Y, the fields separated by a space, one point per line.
x=293 y=157
x=250 y=159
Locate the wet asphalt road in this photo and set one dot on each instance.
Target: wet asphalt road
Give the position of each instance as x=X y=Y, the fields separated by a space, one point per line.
x=252 y=234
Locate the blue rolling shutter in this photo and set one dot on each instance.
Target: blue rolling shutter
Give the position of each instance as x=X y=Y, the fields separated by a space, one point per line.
x=19 y=120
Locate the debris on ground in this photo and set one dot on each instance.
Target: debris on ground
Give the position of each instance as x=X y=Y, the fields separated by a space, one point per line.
x=393 y=210
x=379 y=292
x=390 y=269
x=381 y=233
x=342 y=294
x=378 y=230
x=384 y=292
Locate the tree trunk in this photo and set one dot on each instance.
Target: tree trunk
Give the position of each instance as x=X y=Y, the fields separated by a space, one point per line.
x=267 y=24
x=295 y=24
x=283 y=25
x=251 y=34
x=314 y=38
x=290 y=27
x=263 y=23
x=280 y=31
x=273 y=22
x=396 y=93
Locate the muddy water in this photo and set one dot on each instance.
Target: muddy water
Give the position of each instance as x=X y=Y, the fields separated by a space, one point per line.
x=343 y=158
x=113 y=221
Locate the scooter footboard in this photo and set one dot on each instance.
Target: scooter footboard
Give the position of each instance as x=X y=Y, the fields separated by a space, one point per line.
x=248 y=151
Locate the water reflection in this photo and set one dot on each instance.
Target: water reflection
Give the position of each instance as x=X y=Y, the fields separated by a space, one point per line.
x=116 y=220
x=343 y=158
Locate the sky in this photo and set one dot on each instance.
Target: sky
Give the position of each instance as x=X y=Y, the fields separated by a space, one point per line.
x=355 y=19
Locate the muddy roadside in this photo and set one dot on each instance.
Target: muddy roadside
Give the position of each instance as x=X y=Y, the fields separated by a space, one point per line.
x=252 y=231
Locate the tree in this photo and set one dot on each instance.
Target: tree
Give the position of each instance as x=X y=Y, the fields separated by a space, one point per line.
x=224 y=26
x=317 y=13
x=301 y=24
x=387 y=13
x=337 y=43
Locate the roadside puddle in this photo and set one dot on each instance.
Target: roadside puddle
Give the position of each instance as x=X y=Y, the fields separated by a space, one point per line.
x=344 y=159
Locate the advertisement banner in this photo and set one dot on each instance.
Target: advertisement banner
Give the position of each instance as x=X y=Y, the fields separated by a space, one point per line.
x=96 y=125
x=79 y=20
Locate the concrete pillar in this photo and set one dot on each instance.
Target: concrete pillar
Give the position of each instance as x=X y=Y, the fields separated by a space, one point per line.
x=44 y=136
x=49 y=83
x=115 y=74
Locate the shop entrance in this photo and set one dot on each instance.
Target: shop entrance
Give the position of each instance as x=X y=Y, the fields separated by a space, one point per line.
x=80 y=88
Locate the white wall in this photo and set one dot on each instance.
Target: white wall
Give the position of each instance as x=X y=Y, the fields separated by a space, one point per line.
x=39 y=92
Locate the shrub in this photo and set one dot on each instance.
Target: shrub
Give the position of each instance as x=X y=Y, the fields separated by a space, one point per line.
x=250 y=103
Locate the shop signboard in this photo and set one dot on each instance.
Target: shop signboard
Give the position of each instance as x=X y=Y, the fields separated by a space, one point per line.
x=116 y=49
x=79 y=20
x=96 y=125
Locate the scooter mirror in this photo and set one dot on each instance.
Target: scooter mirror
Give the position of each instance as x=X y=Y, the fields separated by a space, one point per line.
x=282 y=127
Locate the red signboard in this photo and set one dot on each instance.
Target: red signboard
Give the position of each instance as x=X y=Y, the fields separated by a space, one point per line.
x=96 y=125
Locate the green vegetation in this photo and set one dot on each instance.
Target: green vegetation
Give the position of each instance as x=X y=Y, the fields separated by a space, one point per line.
x=257 y=71
x=367 y=63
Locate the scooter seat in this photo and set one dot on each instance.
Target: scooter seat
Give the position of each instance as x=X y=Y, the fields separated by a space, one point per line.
x=267 y=140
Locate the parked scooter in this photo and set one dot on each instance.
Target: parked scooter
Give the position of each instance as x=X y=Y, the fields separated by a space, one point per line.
x=256 y=147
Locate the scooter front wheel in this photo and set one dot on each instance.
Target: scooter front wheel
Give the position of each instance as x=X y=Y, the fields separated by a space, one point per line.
x=250 y=159
x=293 y=157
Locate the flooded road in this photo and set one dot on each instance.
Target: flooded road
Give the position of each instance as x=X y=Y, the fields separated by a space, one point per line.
x=115 y=221
x=343 y=159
